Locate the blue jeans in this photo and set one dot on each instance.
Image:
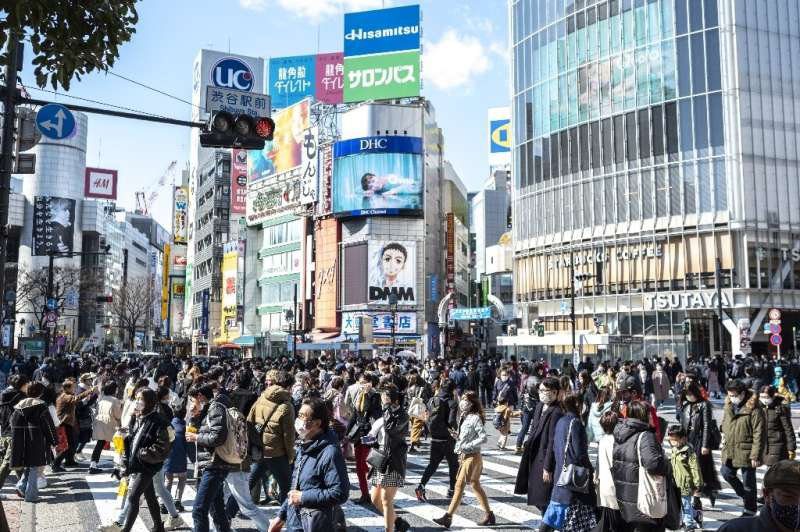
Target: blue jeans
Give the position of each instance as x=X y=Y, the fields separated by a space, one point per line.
x=240 y=499
x=745 y=488
x=688 y=512
x=209 y=500
x=163 y=493
x=28 y=484
x=527 y=417
x=279 y=467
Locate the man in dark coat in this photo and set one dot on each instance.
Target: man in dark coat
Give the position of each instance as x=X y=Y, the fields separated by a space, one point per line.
x=33 y=433
x=12 y=395
x=442 y=423
x=781 y=500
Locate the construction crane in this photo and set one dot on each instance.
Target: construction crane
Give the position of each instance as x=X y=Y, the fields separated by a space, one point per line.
x=146 y=197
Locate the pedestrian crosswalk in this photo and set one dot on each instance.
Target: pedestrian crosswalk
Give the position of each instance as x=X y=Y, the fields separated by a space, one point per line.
x=500 y=468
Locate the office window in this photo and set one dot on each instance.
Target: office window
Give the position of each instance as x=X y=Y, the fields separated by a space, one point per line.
x=700 y=125
x=713 y=60
x=684 y=73
x=594 y=129
x=695 y=15
x=716 y=123
x=671 y=129
x=710 y=13
x=610 y=205
x=704 y=186
x=555 y=167
x=698 y=64
x=657 y=123
x=720 y=186
x=634 y=196
x=644 y=134
x=630 y=137
x=587 y=204
x=545 y=159
x=562 y=148
x=668 y=69
x=583 y=143
x=681 y=17
x=686 y=126
x=608 y=147
x=674 y=189
x=661 y=191
x=619 y=140
x=623 y=199
x=647 y=194
x=573 y=150
x=689 y=199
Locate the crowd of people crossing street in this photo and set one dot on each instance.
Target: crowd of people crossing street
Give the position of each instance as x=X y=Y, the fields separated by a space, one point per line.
x=333 y=442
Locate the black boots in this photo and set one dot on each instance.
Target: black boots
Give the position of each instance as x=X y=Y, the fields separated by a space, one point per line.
x=488 y=520
x=446 y=520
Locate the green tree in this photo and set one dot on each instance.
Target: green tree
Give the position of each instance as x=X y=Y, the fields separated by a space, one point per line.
x=69 y=38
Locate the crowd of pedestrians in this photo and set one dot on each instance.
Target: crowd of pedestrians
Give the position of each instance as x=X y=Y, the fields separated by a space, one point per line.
x=284 y=432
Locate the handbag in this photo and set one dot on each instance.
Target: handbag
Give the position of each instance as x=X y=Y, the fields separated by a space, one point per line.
x=378 y=458
x=651 y=493
x=714 y=435
x=573 y=477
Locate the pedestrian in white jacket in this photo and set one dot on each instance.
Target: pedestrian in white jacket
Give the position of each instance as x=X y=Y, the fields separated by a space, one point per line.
x=609 y=515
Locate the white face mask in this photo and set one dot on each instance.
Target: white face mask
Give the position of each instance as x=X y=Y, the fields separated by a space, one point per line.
x=736 y=399
x=765 y=400
x=301 y=428
x=547 y=396
x=464 y=406
x=504 y=378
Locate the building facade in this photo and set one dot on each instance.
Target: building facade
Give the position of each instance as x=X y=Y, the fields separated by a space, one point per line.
x=655 y=158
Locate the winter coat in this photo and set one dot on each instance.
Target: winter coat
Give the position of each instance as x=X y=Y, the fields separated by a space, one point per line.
x=243 y=399
x=213 y=432
x=321 y=475
x=471 y=435
x=593 y=429
x=391 y=431
x=696 y=418
x=65 y=408
x=442 y=416
x=507 y=390
x=743 y=428
x=8 y=400
x=275 y=403
x=626 y=465
x=176 y=462
x=538 y=456
x=364 y=415
x=530 y=393
x=107 y=419
x=32 y=433
x=147 y=445
x=686 y=469
x=606 y=492
x=577 y=453
x=780 y=433
x=660 y=385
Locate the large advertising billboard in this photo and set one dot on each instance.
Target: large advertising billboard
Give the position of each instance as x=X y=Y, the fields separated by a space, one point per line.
x=382 y=76
x=285 y=152
x=326 y=275
x=291 y=79
x=180 y=213
x=392 y=270
x=378 y=176
x=229 y=327
x=53 y=225
x=225 y=71
x=382 y=30
x=176 y=307
x=238 y=181
x=330 y=77
x=499 y=136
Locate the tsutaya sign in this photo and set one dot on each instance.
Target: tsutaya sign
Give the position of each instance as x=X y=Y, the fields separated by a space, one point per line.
x=700 y=299
x=591 y=256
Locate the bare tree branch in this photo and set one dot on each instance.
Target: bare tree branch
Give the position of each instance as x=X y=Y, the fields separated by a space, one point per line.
x=132 y=305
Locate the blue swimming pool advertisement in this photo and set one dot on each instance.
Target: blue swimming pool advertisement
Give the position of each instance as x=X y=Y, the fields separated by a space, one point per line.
x=378 y=176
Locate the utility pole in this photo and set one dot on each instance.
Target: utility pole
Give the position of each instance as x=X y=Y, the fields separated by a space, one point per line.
x=51 y=256
x=572 y=298
x=14 y=49
x=294 y=324
x=718 y=283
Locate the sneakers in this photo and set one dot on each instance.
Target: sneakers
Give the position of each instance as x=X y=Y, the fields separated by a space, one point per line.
x=420 y=493
x=41 y=482
x=163 y=509
x=113 y=527
x=173 y=523
x=401 y=525
x=179 y=506
x=57 y=469
x=446 y=520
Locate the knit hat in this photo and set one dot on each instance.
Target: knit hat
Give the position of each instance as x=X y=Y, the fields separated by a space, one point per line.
x=784 y=474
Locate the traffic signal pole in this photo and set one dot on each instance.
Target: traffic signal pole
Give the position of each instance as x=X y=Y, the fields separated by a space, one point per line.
x=7 y=150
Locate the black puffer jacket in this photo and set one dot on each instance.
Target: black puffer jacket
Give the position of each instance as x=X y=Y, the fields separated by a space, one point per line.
x=395 y=426
x=780 y=433
x=147 y=444
x=32 y=433
x=626 y=465
x=214 y=432
x=443 y=416
x=8 y=400
x=696 y=418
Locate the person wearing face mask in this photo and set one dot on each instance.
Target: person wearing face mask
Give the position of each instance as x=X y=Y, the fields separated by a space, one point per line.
x=442 y=425
x=631 y=391
x=535 y=476
x=66 y=405
x=367 y=410
x=319 y=479
x=697 y=420
x=505 y=388
x=661 y=385
x=743 y=425
x=781 y=440
x=471 y=436
x=781 y=510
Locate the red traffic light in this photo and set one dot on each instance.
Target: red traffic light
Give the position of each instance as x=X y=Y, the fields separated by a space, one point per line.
x=104 y=299
x=265 y=127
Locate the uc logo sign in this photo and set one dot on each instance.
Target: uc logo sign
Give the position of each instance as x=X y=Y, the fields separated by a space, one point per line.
x=500 y=136
x=232 y=73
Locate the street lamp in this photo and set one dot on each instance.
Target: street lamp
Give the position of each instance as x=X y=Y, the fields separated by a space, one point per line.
x=393 y=309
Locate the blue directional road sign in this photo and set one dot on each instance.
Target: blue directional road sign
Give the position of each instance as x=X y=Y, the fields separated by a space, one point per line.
x=55 y=121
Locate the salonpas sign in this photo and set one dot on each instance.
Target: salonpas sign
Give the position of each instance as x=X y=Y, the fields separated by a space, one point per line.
x=698 y=299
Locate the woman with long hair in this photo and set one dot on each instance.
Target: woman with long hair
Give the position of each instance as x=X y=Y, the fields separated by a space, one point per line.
x=587 y=390
x=603 y=402
x=781 y=440
x=696 y=418
x=471 y=436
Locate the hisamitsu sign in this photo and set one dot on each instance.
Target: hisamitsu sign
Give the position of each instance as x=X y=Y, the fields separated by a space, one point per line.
x=382 y=30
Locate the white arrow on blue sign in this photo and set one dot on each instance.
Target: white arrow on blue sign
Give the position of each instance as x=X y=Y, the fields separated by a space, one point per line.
x=55 y=121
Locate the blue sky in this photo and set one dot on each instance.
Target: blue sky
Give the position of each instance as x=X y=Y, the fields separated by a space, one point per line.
x=465 y=71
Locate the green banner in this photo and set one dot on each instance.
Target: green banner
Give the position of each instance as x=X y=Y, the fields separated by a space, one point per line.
x=381 y=76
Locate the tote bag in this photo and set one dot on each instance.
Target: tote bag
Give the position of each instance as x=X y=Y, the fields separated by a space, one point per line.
x=652 y=490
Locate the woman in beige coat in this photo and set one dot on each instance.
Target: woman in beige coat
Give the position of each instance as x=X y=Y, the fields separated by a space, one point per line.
x=106 y=422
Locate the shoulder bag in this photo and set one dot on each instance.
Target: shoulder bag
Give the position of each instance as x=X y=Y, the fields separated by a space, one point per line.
x=573 y=477
x=651 y=497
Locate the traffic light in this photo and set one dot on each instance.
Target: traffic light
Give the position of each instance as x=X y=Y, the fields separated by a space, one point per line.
x=104 y=299
x=687 y=327
x=225 y=130
x=27 y=137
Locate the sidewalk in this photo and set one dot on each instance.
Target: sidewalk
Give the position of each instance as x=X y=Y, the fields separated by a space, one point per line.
x=13 y=511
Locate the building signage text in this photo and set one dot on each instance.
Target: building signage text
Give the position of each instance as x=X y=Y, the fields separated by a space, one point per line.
x=598 y=255
x=686 y=300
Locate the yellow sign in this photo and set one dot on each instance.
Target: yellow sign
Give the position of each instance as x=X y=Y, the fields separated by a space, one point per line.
x=229 y=327
x=165 y=283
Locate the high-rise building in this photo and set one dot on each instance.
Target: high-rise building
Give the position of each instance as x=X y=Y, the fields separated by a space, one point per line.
x=655 y=175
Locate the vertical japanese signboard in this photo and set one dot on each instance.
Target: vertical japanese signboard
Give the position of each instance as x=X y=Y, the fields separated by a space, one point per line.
x=53 y=225
x=291 y=79
x=238 y=181
x=180 y=212
x=330 y=77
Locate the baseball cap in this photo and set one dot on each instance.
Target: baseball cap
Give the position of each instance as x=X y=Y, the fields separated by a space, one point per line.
x=784 y=474
x=631 y=385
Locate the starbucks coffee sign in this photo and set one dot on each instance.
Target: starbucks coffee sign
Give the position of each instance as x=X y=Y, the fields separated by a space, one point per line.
x=699 y=299
x=619 y=254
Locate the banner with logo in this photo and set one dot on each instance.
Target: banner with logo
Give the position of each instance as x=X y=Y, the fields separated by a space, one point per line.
x=285 y=152
x=309 y=178
x=229 y=327
x=499 y=136
x=330 y=78
x=177 y=293
x=53 y=225
x=291 y=79
x=224 y=71
x=273 y=196
x=165 y=282
x=392 y=270
x=382 y=76
x=381 y=322
x=378 y=176
x=238 y=181
x=100 y=183
x=382 y=30
x=180 y=211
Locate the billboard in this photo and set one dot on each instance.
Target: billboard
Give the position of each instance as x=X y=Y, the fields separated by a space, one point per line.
x=381 y=322
x=177 y=260
x=499 y=136
x=382 y=76
x=273 y=196
x=285 y=152
x=177 y=294
x=325 y=204
x=291 y=79
x=166 y=259
x=377 y=176
x=100 y=183
x=53 y=225
x=224 y=71
x=229 y=327
x=326 y=282
x=180 y=215
x=309 y=177
x=330 y=78
x=238 y=181
x=392 y=270
x=382 y=30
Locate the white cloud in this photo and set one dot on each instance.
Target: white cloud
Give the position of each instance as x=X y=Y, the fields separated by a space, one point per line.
x=454 y=60
x=314 y=10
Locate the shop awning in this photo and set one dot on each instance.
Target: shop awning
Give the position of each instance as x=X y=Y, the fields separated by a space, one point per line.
x=245 y=341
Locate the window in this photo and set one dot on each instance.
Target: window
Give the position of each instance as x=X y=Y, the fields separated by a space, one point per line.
x=674 y=190
x=671 y=129
x=595 y=134
x=554 y=156
x=619 y=140
x=610 y=204
x=695 y=16
x=657 y=122
x=686 y=126
x=545 y=159
x=630 y=136
x=634 y=197
x=713 y=60
x=710 y=12
x=684 y=88
x=583 y=143
x=608 y=147
x=689 y=200
x=661 y=192
x=720 y=186
x=700 y=125
x=698 y=64
x=681 y=17
x=715 y=122
x=704 y=185
x=644 y=134
x=573 y=152
x=647 y=194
